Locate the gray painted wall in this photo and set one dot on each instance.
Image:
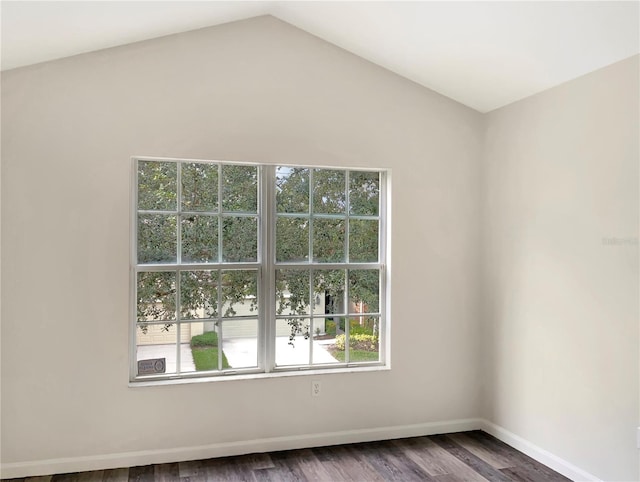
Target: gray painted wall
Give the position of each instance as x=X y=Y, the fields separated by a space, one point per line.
x=257 y=90
x=560 y=275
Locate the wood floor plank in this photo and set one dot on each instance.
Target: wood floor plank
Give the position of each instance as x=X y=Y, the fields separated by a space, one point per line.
x=225 y=469
x=515 y=474
x=436 y=461
x=396 y=456
x=264 y=475
x=93 y=476
x=143 y=473
x=530 y=474
x=215 y=469
x=255 y=461
x=166 y=472
x=476 y=463
x=385 y=467
x=72 y=477
x=116 y=475
x=286 y=467
x=39 y=478
x=542 y=472
x=241 y=469
x=311 y=467
x=450 y=478
x=191 y=470
x=276 y=474
x=354 y=467
x=334 y=463
x=496 y=460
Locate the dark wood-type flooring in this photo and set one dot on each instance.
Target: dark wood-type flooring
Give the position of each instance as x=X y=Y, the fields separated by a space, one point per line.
x=465 y=456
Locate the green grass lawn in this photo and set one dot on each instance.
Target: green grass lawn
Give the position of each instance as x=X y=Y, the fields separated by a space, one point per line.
x=204 y=349
x=356 y=355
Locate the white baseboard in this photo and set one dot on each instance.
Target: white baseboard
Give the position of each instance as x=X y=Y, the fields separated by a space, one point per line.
x=179 y=454
x=541 y=455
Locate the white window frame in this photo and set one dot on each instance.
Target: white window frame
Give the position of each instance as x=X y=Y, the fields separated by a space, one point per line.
x=266 y=266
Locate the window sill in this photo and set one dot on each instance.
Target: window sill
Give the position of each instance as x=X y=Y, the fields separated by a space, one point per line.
x=255 y=376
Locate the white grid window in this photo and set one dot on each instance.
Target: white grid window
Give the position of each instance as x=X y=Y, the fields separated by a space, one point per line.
x=246 y=268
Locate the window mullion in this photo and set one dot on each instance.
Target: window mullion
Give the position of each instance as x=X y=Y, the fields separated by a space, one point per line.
x=312 y=306
x=178 y=262
x=219 y=321
x=347 y=208
x=310 y=257
x=267 y=291
x=347 y=297
x=220 y=231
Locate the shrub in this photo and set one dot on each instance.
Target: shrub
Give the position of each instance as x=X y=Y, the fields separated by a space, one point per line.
x=358 y=341
x=207 y=339
x=207 y=358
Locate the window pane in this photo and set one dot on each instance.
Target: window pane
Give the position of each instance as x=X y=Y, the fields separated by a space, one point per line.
x=292 y=292
x=204 y=347
x=363 y=241
x=328 y=191
x=157 y=185
x=333 y=340
x=199 y=239
x=240 y=188
x=156 y=346
x=293 y=347
x=199 y=187
x=292 y=190
x=364 y=288
x=363 y=345
x=240 y=343
x=156 y=296
x=329 y=291
x=239 y=239
x=364 y=334
x=199 y=294
x=157 y=238
x=364 y=193
x=364 y=325
x=333 y=326
x=328 y=240
x=239 y=293
x=292 y=239
x=323 y=342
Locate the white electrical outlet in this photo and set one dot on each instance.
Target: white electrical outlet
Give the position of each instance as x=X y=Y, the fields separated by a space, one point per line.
x=315 y=389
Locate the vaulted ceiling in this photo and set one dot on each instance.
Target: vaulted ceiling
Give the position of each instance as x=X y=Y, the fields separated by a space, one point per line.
x=482 y=54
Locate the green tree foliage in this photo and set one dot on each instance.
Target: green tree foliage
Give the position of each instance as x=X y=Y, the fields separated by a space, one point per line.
x=157 y=185
x=199 y=239
x=199 y=187
x=157 y=239
x=364 y=193
x=156 y=298
x=239 y=189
